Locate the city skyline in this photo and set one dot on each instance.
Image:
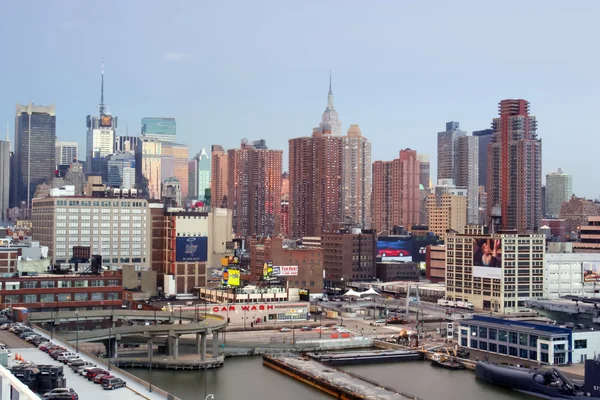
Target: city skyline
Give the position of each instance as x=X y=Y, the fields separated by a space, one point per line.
x=266 y=94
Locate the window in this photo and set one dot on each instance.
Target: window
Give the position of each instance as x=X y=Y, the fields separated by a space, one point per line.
x=523 y=353
x=533 y=341
x=63 y=297
x=493 y=347
x=474 y=344
x=81 y=296
x=502 y=349
x=112 y=296
x=29 y=284
x=482 y=332
x=492 y=334
x=112 y=282
x=47 y=298
x=532 y=355
x=97 y=296
x=97 y=283
x=523 y=340
x=29 y=298
x=544 y=357
x=581 y=344
x=513 y=337
x=64 y=284
x=512 y=351
x=502 y=335
x=82 y=283
x=482 y=345
x=47 y=284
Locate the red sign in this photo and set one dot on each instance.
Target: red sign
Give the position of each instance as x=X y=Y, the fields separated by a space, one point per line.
x=244 y=308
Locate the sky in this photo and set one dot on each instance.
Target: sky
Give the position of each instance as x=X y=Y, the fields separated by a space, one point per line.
x=228 y=70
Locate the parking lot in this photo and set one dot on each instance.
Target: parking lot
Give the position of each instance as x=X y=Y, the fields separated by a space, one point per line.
x=85 y=389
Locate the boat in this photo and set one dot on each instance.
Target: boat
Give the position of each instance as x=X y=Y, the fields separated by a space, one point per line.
x=441 y=360
x=550 y=384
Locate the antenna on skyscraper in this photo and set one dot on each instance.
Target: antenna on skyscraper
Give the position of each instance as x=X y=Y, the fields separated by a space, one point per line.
x=102 y=107
x=329 y=81
x=7 y=139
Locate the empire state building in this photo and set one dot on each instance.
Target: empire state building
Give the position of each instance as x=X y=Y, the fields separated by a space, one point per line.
x=331 y=120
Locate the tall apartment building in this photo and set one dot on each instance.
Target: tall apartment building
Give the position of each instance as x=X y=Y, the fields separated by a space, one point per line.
x=485 y=138
x=174 y=164
x=121 y=170
x=162 y=129
x=576 y=211
x=559 y=189
x=348 y=254
x=66 y=152
x=458 y=159
x=285 y=204
x=100 y=138
x=396 y=194
x=589 y=238
x=115 y=228
x=125 y=143
x=424 y=171
x=515 y=167
x=255 y=190
x=148 y=166
x=495 y=272
x=447 y=212
x=5 y=151
x=35 y=142
x=219 y=176
x=357 y=178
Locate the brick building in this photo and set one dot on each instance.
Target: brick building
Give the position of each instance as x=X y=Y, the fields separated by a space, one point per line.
x=575 y=212
x=308 y=259
x=8 y=259
x=435 y=264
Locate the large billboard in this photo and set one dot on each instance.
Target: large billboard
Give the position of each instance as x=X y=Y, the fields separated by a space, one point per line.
x=191 y=249
x=231 y=277
x=591 y=271
x=285 y=270
x=487 y=258
x=268 y=270
x=394 y=248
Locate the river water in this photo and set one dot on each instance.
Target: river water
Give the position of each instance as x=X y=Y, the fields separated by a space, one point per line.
x=246 y=378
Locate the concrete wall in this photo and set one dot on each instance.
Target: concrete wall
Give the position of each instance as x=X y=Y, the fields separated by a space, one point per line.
x=593 y=345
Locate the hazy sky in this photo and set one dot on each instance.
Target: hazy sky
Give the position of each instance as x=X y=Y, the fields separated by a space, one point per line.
x=228 y=70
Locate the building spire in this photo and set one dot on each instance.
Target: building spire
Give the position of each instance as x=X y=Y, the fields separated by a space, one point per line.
x=330 y=95
x=7 y=138
x=102 y=107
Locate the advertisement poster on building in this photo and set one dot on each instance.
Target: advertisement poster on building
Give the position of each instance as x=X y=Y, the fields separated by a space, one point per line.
x=394 y=248
x=231 y=277
x=268 y=270
x=487 y=258
x=285 y=270
x=191 y=249
x=591 y=272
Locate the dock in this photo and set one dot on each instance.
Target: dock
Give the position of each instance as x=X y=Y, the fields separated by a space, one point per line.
x=367 y=357
x=339 y=384
x=179 y=363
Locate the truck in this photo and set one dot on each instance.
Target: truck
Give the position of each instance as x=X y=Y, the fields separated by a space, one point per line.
x=464 y=304
x=315 y=309
x=457 y=304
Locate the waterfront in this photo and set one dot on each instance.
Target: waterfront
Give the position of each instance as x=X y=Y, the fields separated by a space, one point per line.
x=241 y=377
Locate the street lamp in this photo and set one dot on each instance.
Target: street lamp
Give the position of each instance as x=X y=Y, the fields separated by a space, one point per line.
x=77 y=333
x=109 y=337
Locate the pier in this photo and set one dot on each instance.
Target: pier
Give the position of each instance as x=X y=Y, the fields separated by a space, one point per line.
x=367 y=357
x=339 y=384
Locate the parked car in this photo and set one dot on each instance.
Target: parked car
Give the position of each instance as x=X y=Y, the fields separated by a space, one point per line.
x=6 y=327
x=92 y=373
x=14 y=328
x=306 y=328
x=80 y=364
x=113 y=383
x=31 y=337
x=85 y=370
x=70 y=360
x=102 y=378
x=69 y=391
x=65 y=355
x=284 y=329
x=26 y=334
x=56 y=352
x=60 y=396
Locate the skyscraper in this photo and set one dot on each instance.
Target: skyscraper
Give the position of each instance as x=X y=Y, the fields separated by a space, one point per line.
x=396 y=195
x=424 y=171
x=357 y=178
x=203 y=177
x=458 y=159
x=66 y=152
x=219 y=176
x=4 y=177
x=148 y=165
x=255 y=190
x=446 y=150
x=485 y=138
x=559 y=188
x=100 y=137
x=175 y=158
x=121 y=170
x=125 y=143
x=467 y=174
x=162 y=129
x=315 y=168
x=35 y=140
x=515 y=167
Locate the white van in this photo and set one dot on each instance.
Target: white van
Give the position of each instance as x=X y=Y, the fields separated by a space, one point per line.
x=64 y=355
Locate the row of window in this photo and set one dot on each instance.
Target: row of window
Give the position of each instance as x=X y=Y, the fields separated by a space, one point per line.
x=105 y=203
x=61 y=297
x=35 y=284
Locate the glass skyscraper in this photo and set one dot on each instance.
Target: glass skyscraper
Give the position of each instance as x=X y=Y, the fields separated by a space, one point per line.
x=35 y=148
x=163 y=129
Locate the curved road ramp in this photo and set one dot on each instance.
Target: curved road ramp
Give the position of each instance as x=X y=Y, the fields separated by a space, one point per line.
x=340 y=384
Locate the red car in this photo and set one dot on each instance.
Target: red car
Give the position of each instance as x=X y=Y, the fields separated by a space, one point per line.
x=95 y=372
x=393 y=253
x=101 y=378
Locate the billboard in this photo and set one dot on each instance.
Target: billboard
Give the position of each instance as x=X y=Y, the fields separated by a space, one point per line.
x=231 y=277
x=268 y=270
x=105 y=121
x=394 y=248
x=591 y=271
x=191 y=249
x=285 y=270
x=487 y=258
